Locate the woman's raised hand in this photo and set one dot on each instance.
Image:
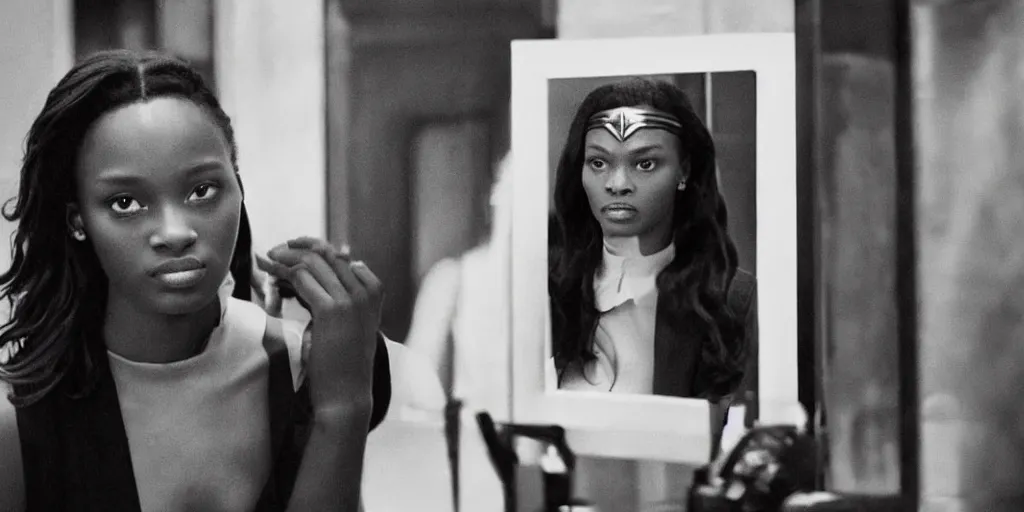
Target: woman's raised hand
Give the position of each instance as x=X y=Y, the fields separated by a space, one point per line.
x=344 y=299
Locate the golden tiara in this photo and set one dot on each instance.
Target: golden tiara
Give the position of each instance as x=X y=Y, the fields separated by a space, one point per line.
x=623 y=122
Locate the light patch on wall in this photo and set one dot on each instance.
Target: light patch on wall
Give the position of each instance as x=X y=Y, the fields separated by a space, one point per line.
x=445 y=202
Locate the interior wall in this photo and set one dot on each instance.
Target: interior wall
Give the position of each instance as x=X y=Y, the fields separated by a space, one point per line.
x=183 y=28
x=269 y=63
x=396 y=88
x=444 y=153
x=103 y=24
x=393 y=70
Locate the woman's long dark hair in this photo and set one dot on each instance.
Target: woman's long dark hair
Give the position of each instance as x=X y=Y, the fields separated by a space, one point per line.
x=55 y=286
x=695 y=283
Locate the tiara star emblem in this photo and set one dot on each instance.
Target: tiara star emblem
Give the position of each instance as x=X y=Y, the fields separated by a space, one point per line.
x=623 y=122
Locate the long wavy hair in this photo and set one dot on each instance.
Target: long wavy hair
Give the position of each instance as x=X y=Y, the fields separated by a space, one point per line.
x=55 y=286
x=695 y=283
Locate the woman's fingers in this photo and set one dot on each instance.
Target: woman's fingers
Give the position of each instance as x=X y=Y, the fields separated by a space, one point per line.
x=308 y=289
x=278 y=260
x=321 y=271
x=374 y=288
x=284 y=289
x=348 y=283
x=321 y=246
x=337 y=258
x=338 y=261
x=343 y=332
x=264 y=263
x=344 y=271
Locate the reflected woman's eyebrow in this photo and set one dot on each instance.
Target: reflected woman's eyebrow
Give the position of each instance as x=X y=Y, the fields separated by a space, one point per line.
x=645 y=149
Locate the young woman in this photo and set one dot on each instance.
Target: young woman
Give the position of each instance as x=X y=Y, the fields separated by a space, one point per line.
x=138 y=382
x=646 y=294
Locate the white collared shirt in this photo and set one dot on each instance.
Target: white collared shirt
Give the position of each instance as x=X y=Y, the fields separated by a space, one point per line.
x=626 y=295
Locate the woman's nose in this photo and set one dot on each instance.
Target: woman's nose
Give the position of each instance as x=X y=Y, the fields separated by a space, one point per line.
x=618 y=182
x=174 y=233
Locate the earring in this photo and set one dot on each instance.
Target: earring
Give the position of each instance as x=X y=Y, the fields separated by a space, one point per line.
x=682 y=185
x=79 y=235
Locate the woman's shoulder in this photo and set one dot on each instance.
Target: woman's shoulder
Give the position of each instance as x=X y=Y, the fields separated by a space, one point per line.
x=12 y=492
x=253 y=329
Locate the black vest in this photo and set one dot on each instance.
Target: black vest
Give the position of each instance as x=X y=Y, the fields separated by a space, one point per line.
x=75 y=451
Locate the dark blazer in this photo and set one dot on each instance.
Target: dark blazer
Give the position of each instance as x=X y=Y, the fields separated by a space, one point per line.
x=677 y=350
x=677 y=371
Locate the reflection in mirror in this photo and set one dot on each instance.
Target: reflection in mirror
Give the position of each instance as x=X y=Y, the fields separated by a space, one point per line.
x=652 y=235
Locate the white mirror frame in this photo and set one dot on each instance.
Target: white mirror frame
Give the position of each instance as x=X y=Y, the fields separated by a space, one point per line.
x=641 y=426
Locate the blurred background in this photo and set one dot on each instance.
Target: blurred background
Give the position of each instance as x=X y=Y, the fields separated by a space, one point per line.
x=380 y=123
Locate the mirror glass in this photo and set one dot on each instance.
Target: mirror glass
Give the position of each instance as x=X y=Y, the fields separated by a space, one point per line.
x=652 y=234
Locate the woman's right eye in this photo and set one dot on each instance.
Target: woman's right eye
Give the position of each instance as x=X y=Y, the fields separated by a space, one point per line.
x=596 y=163
x=125 y=205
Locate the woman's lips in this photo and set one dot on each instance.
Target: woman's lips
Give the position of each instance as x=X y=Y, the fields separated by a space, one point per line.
x=183 y=278
x=619 y=212
x=180 y=273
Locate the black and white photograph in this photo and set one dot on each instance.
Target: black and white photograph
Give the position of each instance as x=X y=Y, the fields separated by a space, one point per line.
x=511 y=255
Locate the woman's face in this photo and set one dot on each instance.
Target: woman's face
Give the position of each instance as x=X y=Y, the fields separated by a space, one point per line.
x=159 y=202
x=631 y=185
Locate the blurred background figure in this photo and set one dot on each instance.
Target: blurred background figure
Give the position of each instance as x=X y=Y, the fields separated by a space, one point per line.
x=461 y=325
x=460 y=322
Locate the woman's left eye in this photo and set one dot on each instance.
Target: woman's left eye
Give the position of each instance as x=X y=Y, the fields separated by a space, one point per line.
x=646 y=164
x=204 y=192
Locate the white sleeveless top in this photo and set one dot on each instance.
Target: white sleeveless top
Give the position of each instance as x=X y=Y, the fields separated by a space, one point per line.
x=198 y=429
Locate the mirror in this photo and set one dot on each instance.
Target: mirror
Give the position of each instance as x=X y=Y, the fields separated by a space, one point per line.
x=599 y=346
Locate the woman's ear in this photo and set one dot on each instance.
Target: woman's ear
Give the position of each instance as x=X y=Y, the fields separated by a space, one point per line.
x=76 y=227
x=683 y=178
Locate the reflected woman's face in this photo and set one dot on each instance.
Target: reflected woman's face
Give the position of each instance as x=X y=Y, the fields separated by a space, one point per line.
x=631 y=185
